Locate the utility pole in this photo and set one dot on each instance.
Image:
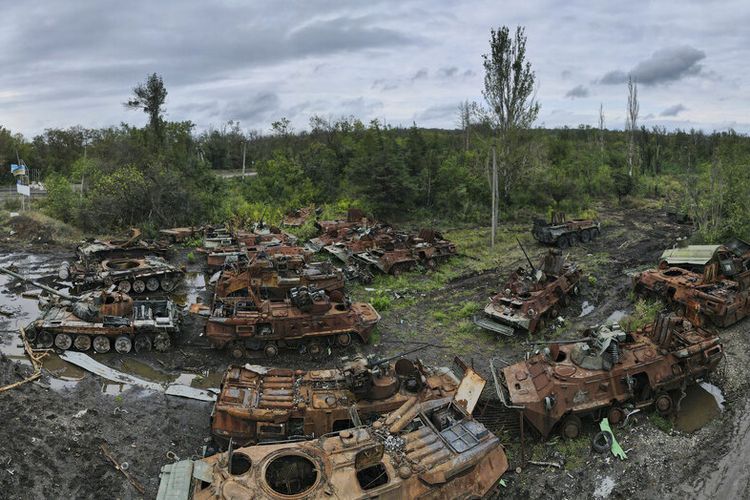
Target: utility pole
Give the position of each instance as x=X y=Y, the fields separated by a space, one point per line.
x=244 y=150
x=494 y=196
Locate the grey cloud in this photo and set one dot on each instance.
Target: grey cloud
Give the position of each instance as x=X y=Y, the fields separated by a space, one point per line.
x=673 y=110
x=577 y=92
x=258 y=108
x=420 y=74
x=469 y=73
x=438 y=112
x=664 y=66
x=447 y=72
x=383 y=84
x=565 y=74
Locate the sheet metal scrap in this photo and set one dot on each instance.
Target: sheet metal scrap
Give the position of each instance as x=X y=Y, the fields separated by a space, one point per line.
x=605 y=372
x=565 y=233
x=531 y=299
x=266 y=404
x=431 y=449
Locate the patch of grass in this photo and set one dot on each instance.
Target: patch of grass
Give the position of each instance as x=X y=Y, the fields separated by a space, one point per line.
x=191 y=257
x=381 y=302
x=440 y=316
x=468 y=309
x=644 y=314
x=375 y=336
x=575 y=451
x=592 y=280
x=193 y=242
x=661 y=423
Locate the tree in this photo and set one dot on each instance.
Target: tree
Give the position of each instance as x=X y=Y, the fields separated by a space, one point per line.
x=631 y=124
x=149 y=96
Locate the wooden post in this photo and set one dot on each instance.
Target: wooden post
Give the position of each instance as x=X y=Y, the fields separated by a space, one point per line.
x=244 y=148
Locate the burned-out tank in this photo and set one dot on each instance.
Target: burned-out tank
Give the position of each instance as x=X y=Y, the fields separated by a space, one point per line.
x=131 y=247
x=531 y=299
x=146 y=275
x=608 y=372
x=565 y=233
x=259 y=404
x=101 y=320
x=275 y=275
x=308 y=321
x=427 y=450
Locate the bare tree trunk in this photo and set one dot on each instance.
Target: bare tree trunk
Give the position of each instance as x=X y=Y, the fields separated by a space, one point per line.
x=494 y=197
x=632 y=123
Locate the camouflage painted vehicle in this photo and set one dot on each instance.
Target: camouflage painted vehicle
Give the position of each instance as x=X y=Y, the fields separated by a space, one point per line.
x=607 y=373
x=427 y=450
x=138 y=276
x=308 y=321
x=275 y=275
x=530 y=300
x=258 y=404
x=565 y=233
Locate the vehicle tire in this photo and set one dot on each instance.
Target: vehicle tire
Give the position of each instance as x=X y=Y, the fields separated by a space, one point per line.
x=597 y=232
x=585 y=236
x=344 y=339
x=123 y=344
x=63 y=341
x=124 y=286
x=663 y=404
x=139 y=286
x=152 y=284
x=571 y=427
x=563 y=242
x=270 y=350
x=31 y=334
x=602 y=442
x=45 y=340
x=82 y=343
x=168 y=284
x=237 y=351
x=615 y=415
x=315 y=348
x=142 y=343
x=101 y=344
x=162 y=342
x=574 y=239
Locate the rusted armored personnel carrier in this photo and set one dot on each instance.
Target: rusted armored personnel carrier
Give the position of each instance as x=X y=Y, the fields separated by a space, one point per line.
x=308 y=321
x=275 y=275
x=429 y=450
x=146 y=275
x=565 y=233
x=606 y=373
x=718 y=293
x=102 y=320
x=259 y=404
x=531 y=299
x=131 y=247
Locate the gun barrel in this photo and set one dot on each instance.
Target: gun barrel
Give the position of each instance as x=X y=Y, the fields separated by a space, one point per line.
x=37 y=284
x=386 y=360
x=533 y=269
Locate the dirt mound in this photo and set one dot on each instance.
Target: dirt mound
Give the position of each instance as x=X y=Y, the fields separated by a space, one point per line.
x=34 y=228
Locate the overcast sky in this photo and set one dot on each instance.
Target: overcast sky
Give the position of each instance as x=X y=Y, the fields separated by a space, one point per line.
x=64 y=63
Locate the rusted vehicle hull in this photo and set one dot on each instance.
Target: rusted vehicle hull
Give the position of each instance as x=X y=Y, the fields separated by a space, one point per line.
x=430 y=450
x=258 y=404
x=565 y=233
x=135 y=276
x=554 y=390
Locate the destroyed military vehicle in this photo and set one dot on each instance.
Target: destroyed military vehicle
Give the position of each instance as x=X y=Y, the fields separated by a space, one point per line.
x=275 y=275
x=258 y=404
x=716 y=290
x=309 y=320
x=565 y=233
x=531 y=299
x=131 y=247
x=607 y=374
x=146 y=275
x=432 y=450
x=101 y=320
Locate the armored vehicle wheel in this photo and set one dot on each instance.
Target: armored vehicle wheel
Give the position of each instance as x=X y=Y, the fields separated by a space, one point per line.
x=162 y=342
x=563 y=242
x=124 y=286
x=571 y=427
x=82 y=343
x=315 y=348
x=344 y=339
x=31 y=333
x=63 y=341
x=596 y=231
x=574 y=239
x=152 y=284
x=101 y=344
x=602 y=442
x=44 y=340
x=663 y=404
x=615 y=415
x=139 y=286
x=585 y=236
x=270 y=350
x=431 y=264
x=123 y=344
x=142 y=343
x=237 y=351
x=168 y=284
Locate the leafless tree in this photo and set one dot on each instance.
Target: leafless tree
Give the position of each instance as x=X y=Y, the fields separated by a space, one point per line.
x=466 y=111
x=631 y=124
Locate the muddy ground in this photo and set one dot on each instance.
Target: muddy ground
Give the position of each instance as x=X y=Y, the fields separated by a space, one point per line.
x=52 y=429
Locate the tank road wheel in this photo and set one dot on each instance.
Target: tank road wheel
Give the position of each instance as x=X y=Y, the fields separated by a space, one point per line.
x=615 y=415
x=571 y=427
x=31 y=333
x=63 y=341
x=270 y=350
x=162 y=342
x=563 y=242
x=168 y=284
x=123 y=344
x=237 y=350
x=139 y=286
x=45 y=340
x=142 y=343
x=344 y=339
x=152 y=284
x=585 y=236
x=574 y=239
x=663 y=404
x=124 y=286
x=101 y=344
x=82 y=343
x=315 y=348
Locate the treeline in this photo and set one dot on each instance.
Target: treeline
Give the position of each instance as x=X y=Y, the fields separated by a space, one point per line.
x=131 y=178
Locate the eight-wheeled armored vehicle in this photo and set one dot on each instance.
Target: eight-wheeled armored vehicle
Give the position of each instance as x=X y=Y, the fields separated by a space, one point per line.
x=565 y=233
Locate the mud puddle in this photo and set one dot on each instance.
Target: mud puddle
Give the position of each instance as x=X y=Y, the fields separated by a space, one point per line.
x=192 y=290
x=586 y=309
x=702 y=403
